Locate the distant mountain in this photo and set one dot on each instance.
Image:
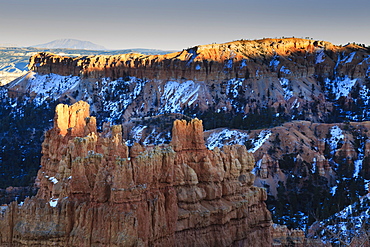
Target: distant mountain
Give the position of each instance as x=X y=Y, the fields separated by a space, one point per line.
x=71 y=44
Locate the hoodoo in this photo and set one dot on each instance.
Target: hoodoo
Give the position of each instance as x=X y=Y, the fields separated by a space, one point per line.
x=96 y=191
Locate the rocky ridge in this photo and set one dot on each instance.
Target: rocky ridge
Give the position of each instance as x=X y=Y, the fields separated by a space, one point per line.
x=237 y=59
x=96 y=191
x=286 y=78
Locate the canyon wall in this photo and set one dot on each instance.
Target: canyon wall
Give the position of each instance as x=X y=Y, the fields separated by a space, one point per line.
x=96 y=191
x=255 y=59
x=297 y=78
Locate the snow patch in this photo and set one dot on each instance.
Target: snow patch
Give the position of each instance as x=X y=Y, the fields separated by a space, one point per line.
x=348 y=223
x=313 y=169
x=157 y=138
x=288 y=91
x=53 y=180
x=358 y=166
x=320 y=57
x=53 y=202
x=226 y=137
x=50 y=85
x=229 y=64
x=340 y=86
x=285 y=70
x=192 y=54
x=336 y=135
x=349 y=58
x=256 y=167
x=263 y=136
x=118 y=94
x=274 y=62
x=243 y=63
x=233 y=85
x=136 y=134
x=176 y=94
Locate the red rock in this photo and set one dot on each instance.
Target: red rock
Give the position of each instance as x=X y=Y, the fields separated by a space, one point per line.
x=108 y=195
x=206 y=62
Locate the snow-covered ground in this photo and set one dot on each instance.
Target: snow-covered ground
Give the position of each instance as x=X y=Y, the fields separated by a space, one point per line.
x=263 y=136
x=340 y=86
x=288 y=92
x=175 y=94
x=320 y=56
x=336 y=136
x=351 y=222
x=226 y=137
x=233 y=87
x=50 y=85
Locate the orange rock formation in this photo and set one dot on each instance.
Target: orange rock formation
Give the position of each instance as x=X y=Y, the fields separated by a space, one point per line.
x=237 y=59
x=96 y=191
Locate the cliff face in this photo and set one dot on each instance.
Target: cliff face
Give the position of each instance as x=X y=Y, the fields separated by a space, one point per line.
x=297 y=78
x=238 y=59
x=95 y=191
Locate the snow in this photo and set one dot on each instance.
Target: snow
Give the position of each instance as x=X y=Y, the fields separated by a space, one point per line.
x=274 y=62
x=243 y=63
x=51 y=85
x=347 y=223
x=320 y=56
x=349 y=58
x=229 y=64
x=288 y=92
x=226 y=137
x=192 y=54
x=285 y=70
x=340 y=86
x=157 y=138
x=295 y=104
x=3 y=208
x=336 y=135
x=176 y=94
x=263 y=136
x=333 y=190
x=121 y=93
x=313 y=169
x=53 y=180
x=358 y=166
x=198 y=67
x=233 y=85
x=137 y=132
x=257 y=167
x=53 y=202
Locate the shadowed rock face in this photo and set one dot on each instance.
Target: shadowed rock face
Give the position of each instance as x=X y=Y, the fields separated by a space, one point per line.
x=95 y=191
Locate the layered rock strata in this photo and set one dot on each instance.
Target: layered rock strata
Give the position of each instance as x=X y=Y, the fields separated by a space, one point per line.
x=237 y=59
x=95 y=191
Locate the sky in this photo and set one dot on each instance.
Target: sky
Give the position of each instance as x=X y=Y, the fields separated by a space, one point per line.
x=180 y=24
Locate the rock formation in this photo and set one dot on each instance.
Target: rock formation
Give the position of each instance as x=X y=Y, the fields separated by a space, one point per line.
x=95 y=191
x=244 y=84
x=237 y=59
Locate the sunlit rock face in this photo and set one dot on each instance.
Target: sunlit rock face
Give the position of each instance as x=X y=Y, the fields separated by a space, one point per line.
x=96 y=191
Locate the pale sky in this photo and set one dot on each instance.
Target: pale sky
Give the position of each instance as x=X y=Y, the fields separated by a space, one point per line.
x=176 y=25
